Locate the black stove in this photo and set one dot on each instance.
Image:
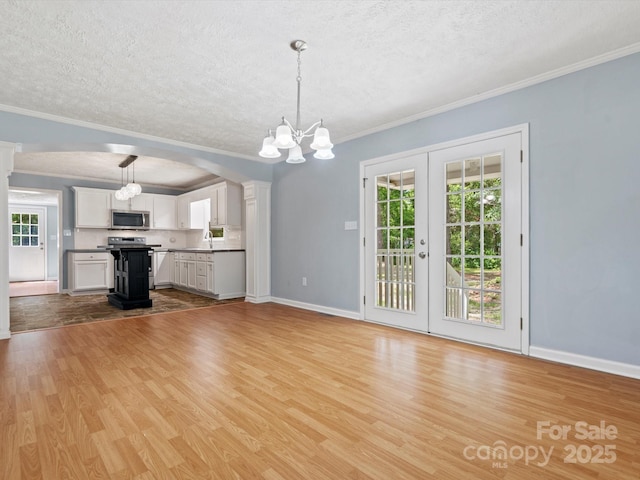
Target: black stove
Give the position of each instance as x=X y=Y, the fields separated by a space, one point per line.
x=135 y=242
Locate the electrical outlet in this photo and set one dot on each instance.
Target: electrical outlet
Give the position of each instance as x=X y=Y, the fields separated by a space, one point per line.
x=304 y=281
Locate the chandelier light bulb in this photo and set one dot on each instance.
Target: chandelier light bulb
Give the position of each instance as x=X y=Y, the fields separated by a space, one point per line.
x=321 y=139
x=295 y=155
x=324 y=154
x=283 y=138
x=268 y=149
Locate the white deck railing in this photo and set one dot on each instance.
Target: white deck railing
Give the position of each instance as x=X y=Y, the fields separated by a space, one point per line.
x=395 y=283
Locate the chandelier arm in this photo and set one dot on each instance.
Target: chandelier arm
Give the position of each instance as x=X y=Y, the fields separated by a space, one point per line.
x=312 y=127
x=293 y=130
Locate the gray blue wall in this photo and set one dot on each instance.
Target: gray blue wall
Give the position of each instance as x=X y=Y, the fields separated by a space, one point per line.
x=584 y=204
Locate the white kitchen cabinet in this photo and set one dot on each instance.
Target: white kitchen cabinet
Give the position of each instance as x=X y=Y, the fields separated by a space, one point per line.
x=143 y=203
x=226 y=274
x=211 y=288
x=90 y=272
x=93 y=207
x=185 y=264
x=226 y=204
x=217 y=274
x=165 y=212
x=163 y=265
x=201 y=272
x=184 y=214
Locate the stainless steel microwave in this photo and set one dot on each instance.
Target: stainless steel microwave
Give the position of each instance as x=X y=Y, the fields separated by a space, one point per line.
x=130 y=220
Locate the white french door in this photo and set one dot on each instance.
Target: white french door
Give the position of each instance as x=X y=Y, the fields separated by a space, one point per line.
x=475 y=220
x=396 y=243
x=443 y=247
x=26 y=243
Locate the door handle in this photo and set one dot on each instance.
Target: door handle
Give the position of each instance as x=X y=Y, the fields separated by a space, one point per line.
x=422 y=255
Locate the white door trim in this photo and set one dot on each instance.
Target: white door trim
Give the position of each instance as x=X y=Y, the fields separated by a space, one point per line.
x=523 y=129
x=6 y=167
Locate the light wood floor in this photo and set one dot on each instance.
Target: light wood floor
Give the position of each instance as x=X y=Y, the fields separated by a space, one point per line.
x=244 y=391
x=23 y=289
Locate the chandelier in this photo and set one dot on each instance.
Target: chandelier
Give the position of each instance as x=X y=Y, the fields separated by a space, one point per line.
x=132 y=189
x=289 y=138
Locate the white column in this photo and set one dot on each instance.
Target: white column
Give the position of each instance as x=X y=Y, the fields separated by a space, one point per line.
x=6 y=167
x=257 y=196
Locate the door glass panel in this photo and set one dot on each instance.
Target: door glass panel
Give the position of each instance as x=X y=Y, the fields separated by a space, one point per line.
x=473 y=286
x=25 y=230
x=472 y=206
x=454 y=240
x=454 y=176
x=395 y=282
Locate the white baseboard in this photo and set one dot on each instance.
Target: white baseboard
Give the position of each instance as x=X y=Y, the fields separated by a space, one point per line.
x=5 y=335
x=608 y=366
x=254 y=299
x=318 y=308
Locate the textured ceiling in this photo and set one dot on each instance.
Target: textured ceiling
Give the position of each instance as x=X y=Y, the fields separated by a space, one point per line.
x=219 y=73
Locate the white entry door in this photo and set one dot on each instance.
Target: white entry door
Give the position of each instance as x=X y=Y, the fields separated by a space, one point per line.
x=26 y=243
x=475 y=225
x=396 y=273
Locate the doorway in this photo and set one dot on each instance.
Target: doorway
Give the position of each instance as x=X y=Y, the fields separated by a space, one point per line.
x=443 y=241
x=34 y=252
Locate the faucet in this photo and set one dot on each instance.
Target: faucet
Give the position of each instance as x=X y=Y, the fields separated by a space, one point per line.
x=207 y=236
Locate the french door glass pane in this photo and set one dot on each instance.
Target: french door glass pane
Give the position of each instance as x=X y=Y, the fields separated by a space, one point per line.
x=395 y=233
x=473 y=236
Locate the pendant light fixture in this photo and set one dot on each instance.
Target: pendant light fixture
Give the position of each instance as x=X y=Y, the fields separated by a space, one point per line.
x=131 y=189
x=289 y=138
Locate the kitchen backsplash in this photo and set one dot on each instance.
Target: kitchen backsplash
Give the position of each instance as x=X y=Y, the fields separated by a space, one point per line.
x=91 y=238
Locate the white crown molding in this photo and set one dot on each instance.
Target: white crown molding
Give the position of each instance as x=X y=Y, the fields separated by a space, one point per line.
x=120 y=131
x=593 y=363
x=575 y=67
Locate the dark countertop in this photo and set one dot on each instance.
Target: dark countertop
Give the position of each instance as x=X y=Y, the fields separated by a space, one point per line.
x=86 y=250
x=206 y=250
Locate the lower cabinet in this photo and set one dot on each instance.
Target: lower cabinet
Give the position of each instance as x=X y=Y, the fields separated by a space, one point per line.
x=216 y=274
x=89 y=272
x=163 y=267
x=201 y=272
x=185 y=270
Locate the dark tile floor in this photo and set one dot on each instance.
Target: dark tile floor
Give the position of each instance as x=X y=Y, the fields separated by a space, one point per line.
x=46 y=311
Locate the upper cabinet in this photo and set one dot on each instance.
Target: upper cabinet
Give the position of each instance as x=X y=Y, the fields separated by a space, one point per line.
x=165 y=212
x=226 y=204
x=142 y=202
x=184 y=211
x=93 y=207
x=219 y=204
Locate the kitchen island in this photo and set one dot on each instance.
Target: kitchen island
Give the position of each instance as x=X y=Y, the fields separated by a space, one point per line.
x=131 y=277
